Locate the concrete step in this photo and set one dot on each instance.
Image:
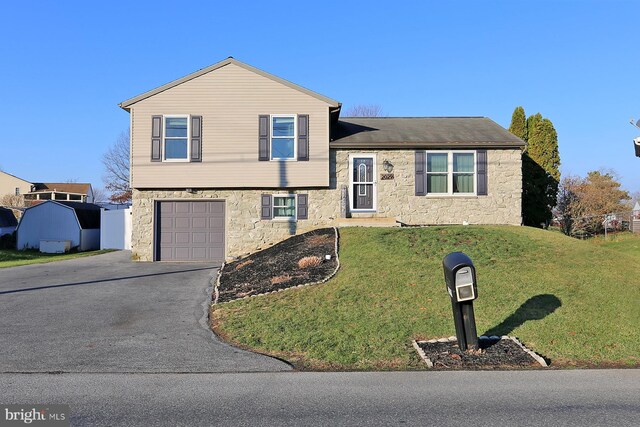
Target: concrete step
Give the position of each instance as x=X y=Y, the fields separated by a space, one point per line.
x=367 y=222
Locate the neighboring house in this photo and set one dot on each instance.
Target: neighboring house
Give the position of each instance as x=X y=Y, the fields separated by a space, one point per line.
x=72 y=192
x=230 y=158
x=78 y=223
x=8 y=221
x=33 y=193
x=13 y=185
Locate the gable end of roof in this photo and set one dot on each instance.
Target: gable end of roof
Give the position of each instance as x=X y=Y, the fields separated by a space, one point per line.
x=125 y=105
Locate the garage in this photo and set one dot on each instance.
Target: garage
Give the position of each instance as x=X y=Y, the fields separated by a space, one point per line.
x=190 y=231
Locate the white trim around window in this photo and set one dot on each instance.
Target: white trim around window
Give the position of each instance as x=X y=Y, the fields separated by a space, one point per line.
x=294 y=117
x=187 y=138
x=284 y=206
x=374 y=181
x=449 y=173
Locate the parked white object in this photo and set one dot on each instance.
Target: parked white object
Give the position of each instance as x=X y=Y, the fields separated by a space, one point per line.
x=55 y=246
x=115 y=229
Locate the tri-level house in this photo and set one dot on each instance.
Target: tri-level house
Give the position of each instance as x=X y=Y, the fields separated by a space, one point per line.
x=230 y=159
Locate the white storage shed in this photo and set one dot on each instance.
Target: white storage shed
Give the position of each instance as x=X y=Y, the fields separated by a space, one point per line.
x=60 y=221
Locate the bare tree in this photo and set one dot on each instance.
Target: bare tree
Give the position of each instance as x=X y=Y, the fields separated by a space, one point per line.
x=567 y=199
x=635 y=198
x=12 y=201
x=99 y=195
x=362 y=110
x=116 y=164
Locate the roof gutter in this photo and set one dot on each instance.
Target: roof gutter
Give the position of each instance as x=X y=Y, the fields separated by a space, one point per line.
x=390 y=145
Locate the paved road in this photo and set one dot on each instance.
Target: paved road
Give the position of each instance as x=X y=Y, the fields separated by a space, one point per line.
x=107 y=314
x=525 y=398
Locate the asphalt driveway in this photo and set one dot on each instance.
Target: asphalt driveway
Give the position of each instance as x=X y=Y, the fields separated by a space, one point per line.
x=106 y=314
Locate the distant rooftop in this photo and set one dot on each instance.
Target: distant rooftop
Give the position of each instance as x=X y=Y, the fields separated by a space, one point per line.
x=422 y=132
x=62 y=187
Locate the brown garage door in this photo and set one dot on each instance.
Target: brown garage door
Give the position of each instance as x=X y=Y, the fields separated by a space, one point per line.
x=190 y=231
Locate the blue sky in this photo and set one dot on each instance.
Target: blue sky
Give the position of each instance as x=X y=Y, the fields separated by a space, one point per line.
x=66 y=65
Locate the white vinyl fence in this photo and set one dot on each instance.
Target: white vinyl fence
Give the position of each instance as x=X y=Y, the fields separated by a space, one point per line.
x=115 y=229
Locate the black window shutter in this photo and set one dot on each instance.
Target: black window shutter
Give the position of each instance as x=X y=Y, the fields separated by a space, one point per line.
x=481 y=168
x=421 y=177
x=265 y=206
x=303 y=137
x=156 y=138
x=263 y=137
x=196 y=138
x=303 y=206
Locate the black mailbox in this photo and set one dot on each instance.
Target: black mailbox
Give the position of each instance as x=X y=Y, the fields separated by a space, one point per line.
x=460 y=277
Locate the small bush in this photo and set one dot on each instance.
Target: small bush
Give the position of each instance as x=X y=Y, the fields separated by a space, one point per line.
x=244 y=263
x=309 y=261
x=280 y=279
x=319 y=239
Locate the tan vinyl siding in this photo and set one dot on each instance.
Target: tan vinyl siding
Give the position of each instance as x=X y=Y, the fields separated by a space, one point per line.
x=230 y=99
x=9 y=183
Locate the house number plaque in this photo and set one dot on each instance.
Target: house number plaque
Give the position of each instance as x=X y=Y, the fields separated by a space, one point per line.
x=386 y=176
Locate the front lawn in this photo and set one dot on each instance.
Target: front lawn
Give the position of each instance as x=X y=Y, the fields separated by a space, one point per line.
x=13 y=258
x=575 y=302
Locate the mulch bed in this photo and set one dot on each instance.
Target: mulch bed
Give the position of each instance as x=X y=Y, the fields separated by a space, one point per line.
x=494 y=353
x=279 y=267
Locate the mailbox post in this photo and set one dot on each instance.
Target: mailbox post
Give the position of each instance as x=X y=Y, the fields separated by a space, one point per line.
x=460 y=277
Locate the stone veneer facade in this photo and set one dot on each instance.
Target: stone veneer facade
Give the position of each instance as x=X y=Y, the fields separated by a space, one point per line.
x=246 y=232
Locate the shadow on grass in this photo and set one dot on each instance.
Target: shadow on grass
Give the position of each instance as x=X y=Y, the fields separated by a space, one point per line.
x=535 y=308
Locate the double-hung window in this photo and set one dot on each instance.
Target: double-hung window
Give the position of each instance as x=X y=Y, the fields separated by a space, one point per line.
x=176 y=138
x=284 y=207
x=283 y=137
x=451 y=172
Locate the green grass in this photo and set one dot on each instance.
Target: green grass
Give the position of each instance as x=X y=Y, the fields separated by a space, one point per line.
x=13 y=258
x=575 y=302
x=626 y=243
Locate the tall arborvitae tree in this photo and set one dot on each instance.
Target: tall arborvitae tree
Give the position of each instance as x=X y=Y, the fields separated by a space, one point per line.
x=518 y=125
x=540 y=166
x=532 y=128
x=543 y=149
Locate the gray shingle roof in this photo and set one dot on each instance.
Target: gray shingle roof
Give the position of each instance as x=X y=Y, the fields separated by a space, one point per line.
x=422 y=132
